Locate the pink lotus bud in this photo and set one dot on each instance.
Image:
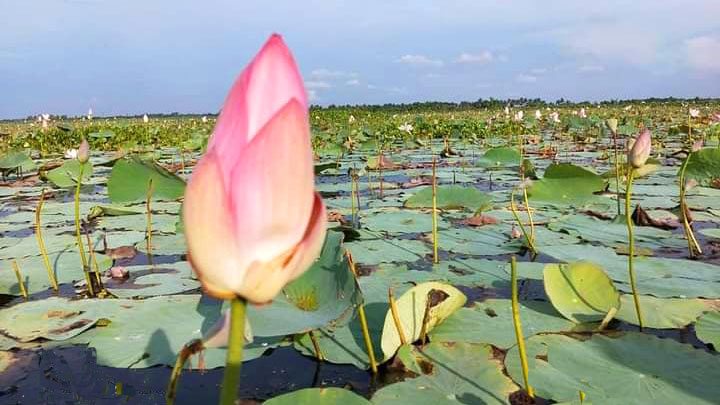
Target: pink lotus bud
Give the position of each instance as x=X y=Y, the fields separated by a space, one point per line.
x=253 y=221
x=640 y=150
x=83 y=152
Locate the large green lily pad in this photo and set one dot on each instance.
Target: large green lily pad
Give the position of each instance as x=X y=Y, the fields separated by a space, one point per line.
x=565 y=183
x=708 y=328
x=67 y=174
x=450 y=197
x=634 y=369
x=455 y=373
x=661 y=313
x=580 y=291
x=130 y=178
x=704 y=166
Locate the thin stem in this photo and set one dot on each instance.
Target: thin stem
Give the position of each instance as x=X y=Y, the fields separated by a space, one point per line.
x=352 y=198
x=233 y=363
x=149 y=217
x=436 y=258
x=426 y=318
x=86 y=268
x=396 y=317
x=21 y=283
x=41 y=242
x=693 y=245
x=529 y=213
x=617 y=173
x=631 y=245
x=316 y=346
x=518 y=326
x=529 y=240
x=608 y=317
x=363 y=320
x=93 y=259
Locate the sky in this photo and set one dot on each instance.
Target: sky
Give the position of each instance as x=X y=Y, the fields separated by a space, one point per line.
x=162 y=56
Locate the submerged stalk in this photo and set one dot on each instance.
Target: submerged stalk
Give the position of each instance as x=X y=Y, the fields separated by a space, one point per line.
x=41 y=242
x=631 y=245
x=194 y=346
x=233 y=362
x=518 y=326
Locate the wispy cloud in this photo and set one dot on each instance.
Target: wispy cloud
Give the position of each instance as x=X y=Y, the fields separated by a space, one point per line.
x=419 y=60
x=352 y=82
x=317 y=84
x=324 y=73
x=526 y=78
x=482 y=58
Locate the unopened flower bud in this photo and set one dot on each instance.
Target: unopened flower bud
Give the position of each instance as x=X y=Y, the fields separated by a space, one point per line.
x=83 y=152
x=640 y=151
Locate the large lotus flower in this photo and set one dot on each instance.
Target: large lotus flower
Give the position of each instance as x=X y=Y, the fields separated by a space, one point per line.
x=253 y=221
x=640 y=150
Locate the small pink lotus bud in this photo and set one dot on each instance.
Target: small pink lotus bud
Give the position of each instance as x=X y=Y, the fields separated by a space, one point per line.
x=697 y=145
x=640 y=151
x=83 y=152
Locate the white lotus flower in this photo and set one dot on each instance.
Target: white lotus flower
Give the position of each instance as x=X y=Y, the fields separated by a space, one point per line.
x=71 y=154
x=694 y=112
x=145 y=118
x=538 y=114
x=351 y=119
x=46 y=117
x=555 y=117
x=519 y=115
x=204 y=119
x=582 y=113
x=507 y=110
x=628 y=108
x=90 y=113
x=406 y=127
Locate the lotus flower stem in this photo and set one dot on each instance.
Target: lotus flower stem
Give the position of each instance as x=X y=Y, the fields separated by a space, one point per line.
x=81 y=247
x=93 y=259
x=21 y=283
x=631 y=245
x=617 y=173
x=316 y=346
x=41 y=242
x=370 y=189
x=396 y=317
x=518 y=326
x=380 y=160
x=353 y=194
x=528 y=238
x=426 y=318
x=149 y=218
x=363 y=320
x=582 y=397
x=236 y=341
x=529 y=214
x=693 y=245
x=436 y=258
x=192 y=347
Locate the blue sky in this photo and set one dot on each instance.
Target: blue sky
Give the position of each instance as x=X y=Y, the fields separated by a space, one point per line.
x=118 y=57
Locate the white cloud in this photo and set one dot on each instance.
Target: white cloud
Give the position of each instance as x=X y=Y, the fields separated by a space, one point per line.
x=525 y=78
x=591 y=69
x=317 y=84
x=419 y=60
x=352 y=82
x=484 y=57
x=312 y=95
x=539 y=71
x=703 y=53
x=324 y=73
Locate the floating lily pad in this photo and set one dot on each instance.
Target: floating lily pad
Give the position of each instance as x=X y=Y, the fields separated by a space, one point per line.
x=455 y=373
x=67 y=174
x=443 y=299
x=704 y=166
x=565 y=183
x=708 y=329
x=661 y=313
x=634 y=369
x=450 y=197
x=500 y=157
x=130 y=178
x=318 y=396
x=50 y=319
x=491 y=322
x=581 y=291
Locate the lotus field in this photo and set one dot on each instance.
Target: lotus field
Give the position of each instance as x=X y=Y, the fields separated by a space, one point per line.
x=519 y=253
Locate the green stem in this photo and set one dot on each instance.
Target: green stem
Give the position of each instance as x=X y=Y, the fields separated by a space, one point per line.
x=617 y=173
x=528 y=239
x=236 y=342
x=436 y=258
x=518 y=326
x=631 y=245
x=41 y=242
x=81 y=247
x=693 y=245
